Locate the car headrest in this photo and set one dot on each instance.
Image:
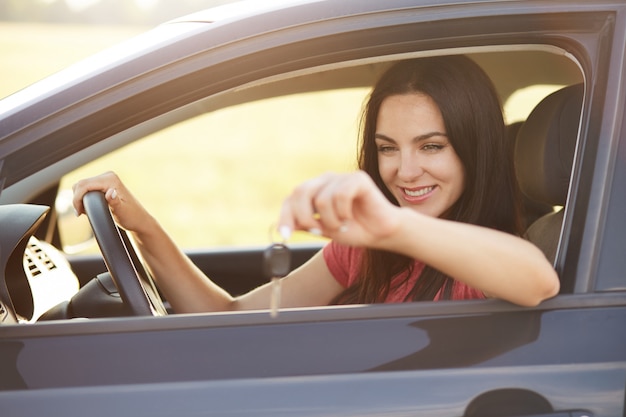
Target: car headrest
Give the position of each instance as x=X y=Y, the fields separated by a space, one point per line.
x=545 y=144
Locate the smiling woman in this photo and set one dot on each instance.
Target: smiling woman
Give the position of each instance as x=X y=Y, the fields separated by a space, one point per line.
x=412 y=144
x=192 y=80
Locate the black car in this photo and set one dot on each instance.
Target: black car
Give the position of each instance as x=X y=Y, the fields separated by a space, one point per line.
x=560 y=69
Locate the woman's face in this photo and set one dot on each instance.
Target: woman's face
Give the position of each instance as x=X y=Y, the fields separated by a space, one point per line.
x=416 y=161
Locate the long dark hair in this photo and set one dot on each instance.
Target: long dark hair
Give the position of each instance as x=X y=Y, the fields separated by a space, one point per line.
x=473 y=120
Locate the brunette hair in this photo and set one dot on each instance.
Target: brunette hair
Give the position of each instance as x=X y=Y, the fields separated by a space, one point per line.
x=472 y=116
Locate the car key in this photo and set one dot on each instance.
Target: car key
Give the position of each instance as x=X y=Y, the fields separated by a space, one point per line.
x=276 y=264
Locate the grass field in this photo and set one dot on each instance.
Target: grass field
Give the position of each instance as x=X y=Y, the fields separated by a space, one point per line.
x=218 y=179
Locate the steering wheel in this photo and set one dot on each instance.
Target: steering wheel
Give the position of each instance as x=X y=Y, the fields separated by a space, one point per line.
x=132 y=279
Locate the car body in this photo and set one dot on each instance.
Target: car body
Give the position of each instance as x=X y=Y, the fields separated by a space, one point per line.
x=566 y=356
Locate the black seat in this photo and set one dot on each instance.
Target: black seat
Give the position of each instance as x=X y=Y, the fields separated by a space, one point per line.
x=532 y=210
x=544 y=153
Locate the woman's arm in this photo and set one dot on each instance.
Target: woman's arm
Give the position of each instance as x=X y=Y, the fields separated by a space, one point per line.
x=189 y=290
x=183 y=284
x=351 y=210
x=499 y=264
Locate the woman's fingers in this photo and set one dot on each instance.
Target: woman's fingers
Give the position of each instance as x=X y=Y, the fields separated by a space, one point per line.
x=106 y=183
x=327 y=204
x=334 y=201
x=302 y=212
x=126 y=210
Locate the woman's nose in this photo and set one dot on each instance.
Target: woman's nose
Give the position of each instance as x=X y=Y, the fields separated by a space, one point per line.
x=411 y=166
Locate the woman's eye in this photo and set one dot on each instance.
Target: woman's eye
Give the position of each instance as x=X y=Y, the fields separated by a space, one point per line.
x=386 y=149
x=433 y=147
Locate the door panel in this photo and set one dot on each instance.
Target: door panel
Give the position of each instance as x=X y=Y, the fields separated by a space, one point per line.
x=565 y=387
x=305 y=342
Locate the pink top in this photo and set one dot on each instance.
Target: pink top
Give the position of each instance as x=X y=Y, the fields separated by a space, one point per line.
x=344 y=263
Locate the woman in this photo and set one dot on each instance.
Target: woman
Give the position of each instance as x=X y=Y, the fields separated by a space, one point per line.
x=432 y=214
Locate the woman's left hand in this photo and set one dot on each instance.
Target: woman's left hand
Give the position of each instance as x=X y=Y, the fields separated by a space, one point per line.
x=348 y=208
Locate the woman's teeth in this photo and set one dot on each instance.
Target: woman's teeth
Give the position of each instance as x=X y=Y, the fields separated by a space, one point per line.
x=418 y=193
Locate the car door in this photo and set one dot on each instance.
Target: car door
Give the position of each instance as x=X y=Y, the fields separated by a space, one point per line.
x=565 y=357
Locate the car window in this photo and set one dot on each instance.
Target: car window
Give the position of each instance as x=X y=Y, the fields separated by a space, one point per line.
x=219 y=179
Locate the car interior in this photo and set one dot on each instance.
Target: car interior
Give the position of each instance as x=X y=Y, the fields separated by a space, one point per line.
x=43 y=283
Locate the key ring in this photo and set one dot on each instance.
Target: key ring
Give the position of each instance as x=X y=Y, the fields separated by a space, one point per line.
x=276 y=235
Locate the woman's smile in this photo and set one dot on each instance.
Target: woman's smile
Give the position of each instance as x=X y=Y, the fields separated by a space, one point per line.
x=417 y=194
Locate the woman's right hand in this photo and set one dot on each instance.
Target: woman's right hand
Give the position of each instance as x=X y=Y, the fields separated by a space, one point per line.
x=348 y=208
x=126 y=209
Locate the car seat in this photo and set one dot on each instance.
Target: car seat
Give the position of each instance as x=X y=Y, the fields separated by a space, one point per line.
x=532 y=209
x=544 y=153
